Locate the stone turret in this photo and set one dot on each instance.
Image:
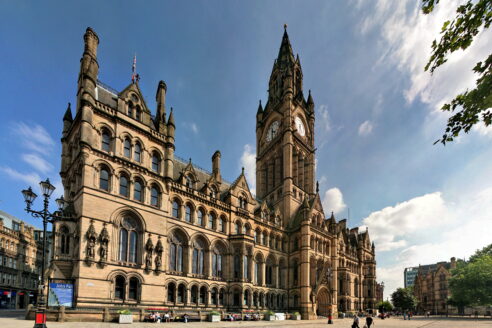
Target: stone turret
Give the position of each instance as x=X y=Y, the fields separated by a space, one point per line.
x=160 y=97
x=216 y=166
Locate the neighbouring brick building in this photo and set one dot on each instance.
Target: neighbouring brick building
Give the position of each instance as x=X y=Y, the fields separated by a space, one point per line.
x=431 y=287
x=152 y=229
x=20 y=262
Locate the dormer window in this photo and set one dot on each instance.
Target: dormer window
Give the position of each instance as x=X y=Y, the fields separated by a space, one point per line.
x=213 y=192
x=131 y=109
x=138 y=114
x=189 y=181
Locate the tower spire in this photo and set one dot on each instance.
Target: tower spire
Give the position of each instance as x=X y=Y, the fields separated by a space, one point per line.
x=285 y=53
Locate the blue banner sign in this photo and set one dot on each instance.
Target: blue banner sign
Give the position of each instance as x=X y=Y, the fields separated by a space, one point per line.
x=60 y=294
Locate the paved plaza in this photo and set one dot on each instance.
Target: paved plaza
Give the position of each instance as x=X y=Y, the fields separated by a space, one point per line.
x=9 y=320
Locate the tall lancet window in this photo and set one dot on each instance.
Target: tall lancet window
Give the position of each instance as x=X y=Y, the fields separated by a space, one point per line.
x=128 y=240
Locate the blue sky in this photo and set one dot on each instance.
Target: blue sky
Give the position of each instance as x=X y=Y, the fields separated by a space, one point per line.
x=376 y=109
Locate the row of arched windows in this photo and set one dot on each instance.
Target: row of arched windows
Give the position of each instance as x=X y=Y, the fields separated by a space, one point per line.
x=130 y=150
x=125 y=186
x=218 y=297
x=126 y=289
x=199 y=217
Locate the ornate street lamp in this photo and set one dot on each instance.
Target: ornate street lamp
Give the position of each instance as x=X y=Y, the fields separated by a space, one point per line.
x=29 y=196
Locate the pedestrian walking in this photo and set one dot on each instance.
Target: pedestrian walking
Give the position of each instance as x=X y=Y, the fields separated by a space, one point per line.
x=355 y=324
x=369 y=321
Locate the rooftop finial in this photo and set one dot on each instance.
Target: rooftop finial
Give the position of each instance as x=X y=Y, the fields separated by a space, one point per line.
x=135 y=76
x=285 y=27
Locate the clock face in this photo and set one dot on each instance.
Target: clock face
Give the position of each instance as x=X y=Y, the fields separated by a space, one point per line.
x=272 y=131
x=300 y=126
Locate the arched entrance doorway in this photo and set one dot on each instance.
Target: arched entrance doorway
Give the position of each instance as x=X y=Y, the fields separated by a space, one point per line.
x=324 y=302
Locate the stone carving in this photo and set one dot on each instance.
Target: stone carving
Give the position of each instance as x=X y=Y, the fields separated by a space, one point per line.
x=104 y=241
x=91 y=241
x=149 y=247
x=159 y=249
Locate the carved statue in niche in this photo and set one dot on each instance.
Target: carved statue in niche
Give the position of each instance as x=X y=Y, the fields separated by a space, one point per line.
x=104 y=241
x=91 y=241
x=159 y=249
x=149 y=247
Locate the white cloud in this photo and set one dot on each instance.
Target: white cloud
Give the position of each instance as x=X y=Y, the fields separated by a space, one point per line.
x=324 y=118
x=390 y=225
x=33 y=137
x=38 y=163
x=428 y=229
x=333 y=201
x=32 y=179
x=406 y=38
x=248 y=161
x=484 y=130
x=365 y=128
x=191 y=126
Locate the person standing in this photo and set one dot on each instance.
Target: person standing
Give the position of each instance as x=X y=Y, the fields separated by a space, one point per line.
x=369 y=321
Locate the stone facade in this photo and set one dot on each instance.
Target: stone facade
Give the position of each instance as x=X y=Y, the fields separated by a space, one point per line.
x=152 y=229
x=20 y=262
x=431 y=287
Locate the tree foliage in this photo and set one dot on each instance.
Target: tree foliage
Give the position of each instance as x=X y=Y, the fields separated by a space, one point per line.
x=471 y=106
x=384 y=306
x=487 y=250
x=471 y=282
x=403 y=299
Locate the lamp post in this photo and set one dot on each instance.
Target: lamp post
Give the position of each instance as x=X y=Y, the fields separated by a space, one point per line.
x=29 y=196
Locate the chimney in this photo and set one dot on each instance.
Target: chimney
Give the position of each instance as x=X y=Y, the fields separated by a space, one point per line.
x=453 y=262
x=216 y=166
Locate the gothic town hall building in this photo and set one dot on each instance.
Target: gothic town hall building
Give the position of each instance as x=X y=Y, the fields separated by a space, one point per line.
x=152 y=230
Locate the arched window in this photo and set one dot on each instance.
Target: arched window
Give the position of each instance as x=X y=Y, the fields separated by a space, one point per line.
x=198 y=257
x=257 y=278
x=119 y=287
x=236 y=298
x=156 y=162
x=237 y=266
x=155 y=196
x=128 y=240
x=106 y=140
x=213 y=296
x=137 y=190
x=246 y=267
x=64 y=241
x=175 y=209
x=194 y=294
x=123 y=185
x=200 y=216
x=188 y=213
x=247 y=229
x=127 y=148
x=217 y=263
x=203 y=295
x=137 y=153
x=171 y=290
x=246 y=298
x=221 y=224
x=133 y=289
x=176 y=253
x=211 y=220
x=181 y=293
x=238 y=228
x=221 y=297
x=104 y=179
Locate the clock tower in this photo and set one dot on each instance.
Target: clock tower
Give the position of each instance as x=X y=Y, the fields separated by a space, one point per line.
x=285 y=137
